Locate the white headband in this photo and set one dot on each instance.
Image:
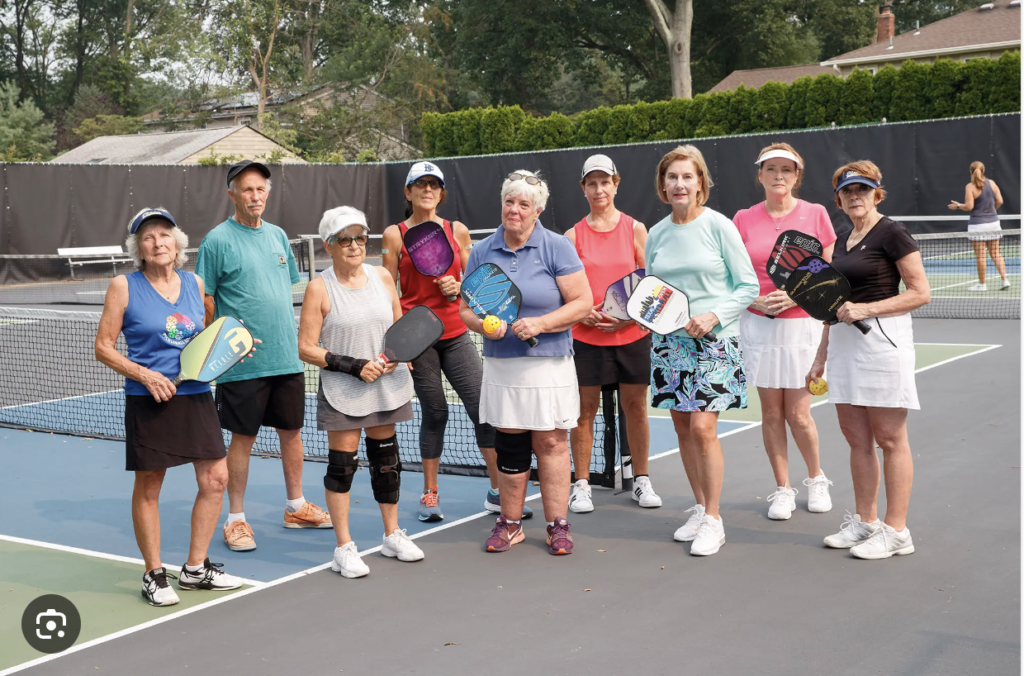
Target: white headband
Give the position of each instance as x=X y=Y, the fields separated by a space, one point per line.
x=779 y=153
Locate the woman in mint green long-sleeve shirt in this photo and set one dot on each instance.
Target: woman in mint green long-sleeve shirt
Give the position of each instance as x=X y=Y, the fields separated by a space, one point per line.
x=699 y=251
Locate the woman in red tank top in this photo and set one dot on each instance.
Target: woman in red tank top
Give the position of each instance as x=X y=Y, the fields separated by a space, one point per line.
x=455 y=355
x=609 y=351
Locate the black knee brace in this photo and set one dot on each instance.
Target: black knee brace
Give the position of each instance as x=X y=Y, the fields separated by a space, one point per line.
x=514 y=451
x=385 y=469
x=341 y=467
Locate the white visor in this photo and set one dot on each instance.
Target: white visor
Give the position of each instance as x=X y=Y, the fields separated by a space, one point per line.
x=779 y=153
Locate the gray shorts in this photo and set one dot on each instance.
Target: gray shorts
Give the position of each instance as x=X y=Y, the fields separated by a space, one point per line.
x=330 y=419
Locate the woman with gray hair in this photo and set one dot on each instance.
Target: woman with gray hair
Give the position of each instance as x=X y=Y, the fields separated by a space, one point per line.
x=530 y=394
x=345 y=313
x=159 y=308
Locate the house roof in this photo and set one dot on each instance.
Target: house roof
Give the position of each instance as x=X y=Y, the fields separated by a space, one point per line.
x=166 y=148
x=756 y=77
x=995 y=24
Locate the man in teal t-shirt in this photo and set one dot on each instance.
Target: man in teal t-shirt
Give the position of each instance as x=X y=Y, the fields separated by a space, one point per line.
x=248 y=270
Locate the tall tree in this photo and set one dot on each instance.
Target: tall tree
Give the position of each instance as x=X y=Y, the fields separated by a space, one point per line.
x=673 y=28
x=249 y=34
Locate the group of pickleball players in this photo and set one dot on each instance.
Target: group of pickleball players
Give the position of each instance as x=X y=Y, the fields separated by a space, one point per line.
x=526 y=403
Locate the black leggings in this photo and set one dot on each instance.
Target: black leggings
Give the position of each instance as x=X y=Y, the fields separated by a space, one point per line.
x=458 y=359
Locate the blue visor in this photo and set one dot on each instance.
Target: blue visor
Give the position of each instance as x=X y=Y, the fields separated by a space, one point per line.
x=149 y=214
x=849 y=177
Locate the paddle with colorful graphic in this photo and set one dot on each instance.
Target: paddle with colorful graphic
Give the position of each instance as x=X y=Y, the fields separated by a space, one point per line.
x=214 y=350
x=791 y=248
x=488 y=291
x=660 y=307
x=820 y=290
x=429 y=250
x=414 y=333
x=617 y=295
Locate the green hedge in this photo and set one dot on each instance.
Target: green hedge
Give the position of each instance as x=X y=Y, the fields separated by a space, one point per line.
x=913 y=92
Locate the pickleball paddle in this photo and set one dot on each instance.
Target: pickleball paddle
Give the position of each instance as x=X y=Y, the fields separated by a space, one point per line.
x=213 y=351
x=414 y=333
x=429 y=250
x=820 y=290
x=660 y=307
x=488 y=291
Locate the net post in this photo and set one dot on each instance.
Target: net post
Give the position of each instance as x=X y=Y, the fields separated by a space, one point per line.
x=610 y=437
x=625 y=456
x=310 y=257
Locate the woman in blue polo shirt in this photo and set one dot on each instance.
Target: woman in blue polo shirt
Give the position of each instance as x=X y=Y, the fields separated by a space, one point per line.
x=530 y=394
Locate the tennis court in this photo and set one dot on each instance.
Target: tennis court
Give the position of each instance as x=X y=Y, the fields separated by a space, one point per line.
x=773 y=601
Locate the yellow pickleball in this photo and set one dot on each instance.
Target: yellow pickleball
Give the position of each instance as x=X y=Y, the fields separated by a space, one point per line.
x=491 y=325
x=818 y=387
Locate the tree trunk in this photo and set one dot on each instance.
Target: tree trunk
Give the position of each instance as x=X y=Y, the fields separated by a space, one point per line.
x=673 y=27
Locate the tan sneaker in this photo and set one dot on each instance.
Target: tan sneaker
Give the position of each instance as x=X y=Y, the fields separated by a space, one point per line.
x=238 y=536
x=307 y=516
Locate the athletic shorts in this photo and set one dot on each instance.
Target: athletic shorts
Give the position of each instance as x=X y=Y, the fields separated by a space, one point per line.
x=274 y=401
x=613 y=364
x=160 y=435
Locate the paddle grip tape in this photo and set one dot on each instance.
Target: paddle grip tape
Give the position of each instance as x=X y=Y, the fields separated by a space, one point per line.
x=514 y=451
x=385 y=469
x=345 y=364
x=341 y=467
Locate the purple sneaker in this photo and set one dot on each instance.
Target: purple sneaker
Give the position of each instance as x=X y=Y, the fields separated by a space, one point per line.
x=505 y=535
x=559 y=538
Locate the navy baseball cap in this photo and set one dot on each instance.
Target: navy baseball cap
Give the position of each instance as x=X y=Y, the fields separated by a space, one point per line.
x=849 y=176
x=148 y=215
x=238 y=167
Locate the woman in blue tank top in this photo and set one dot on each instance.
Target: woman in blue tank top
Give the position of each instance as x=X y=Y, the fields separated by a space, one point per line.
x=158 y=308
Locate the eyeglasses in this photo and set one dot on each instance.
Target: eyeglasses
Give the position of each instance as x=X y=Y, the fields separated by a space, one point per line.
x=530 y=180
x=360 y=241
x=424 y=183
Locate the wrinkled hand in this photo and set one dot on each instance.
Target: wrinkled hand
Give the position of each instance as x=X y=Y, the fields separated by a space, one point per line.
x=594 y=318
x=851 y=312
x=610 y=324
x=390 y=367
x=816 y=373
x=371 y=371
x=448 y=285
x=777 y=302
x=158 y=385
x=527 y=327
x=701 y=324
x=497 y=335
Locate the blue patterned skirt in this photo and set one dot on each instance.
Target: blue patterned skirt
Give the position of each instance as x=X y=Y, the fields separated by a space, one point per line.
x=690 y=375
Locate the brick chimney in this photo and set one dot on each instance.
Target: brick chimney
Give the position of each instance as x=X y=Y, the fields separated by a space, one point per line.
x=886 y=23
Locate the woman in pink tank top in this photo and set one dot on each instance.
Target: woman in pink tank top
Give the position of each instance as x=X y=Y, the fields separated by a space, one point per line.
x=609 y=351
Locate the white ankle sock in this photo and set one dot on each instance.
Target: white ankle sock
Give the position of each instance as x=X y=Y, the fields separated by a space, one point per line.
x=294 y=505
x=240 y=516
x=194 y=569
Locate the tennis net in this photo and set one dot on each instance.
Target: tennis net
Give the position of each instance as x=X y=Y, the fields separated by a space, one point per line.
x=51 y=381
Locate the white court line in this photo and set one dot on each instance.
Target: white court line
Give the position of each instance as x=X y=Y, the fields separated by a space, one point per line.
x=429 y=531
x=54 y=401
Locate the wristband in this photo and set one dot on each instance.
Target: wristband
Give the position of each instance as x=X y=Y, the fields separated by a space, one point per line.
x=345 y=364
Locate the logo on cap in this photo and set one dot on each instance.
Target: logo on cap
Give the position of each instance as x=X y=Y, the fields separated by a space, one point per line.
x=428 y=167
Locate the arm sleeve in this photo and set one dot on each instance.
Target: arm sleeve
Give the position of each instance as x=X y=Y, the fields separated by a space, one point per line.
x=206 y=266
x=824 y=231
x=899 y=243
x=293 y=267
x=743 y=279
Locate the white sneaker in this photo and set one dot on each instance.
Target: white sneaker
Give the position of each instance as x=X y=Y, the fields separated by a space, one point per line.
x=978 y=287
x=348 y=562
x=157 y=590
x=688 y=531
x=783 y=503
x=853 y=532
x=644 y=493
x=581 y=500
x=209 y=577
x=1004 y=285
x=885 y=542
x=818 y=499
x=401 y=545
x=710 y=537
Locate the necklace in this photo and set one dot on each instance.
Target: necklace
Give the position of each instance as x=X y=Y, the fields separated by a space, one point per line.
x=777 y=221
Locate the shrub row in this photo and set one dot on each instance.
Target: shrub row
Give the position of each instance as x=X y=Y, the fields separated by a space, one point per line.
x=913 y=92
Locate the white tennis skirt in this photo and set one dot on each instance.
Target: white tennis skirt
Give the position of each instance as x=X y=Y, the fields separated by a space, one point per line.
x=867 y=370
x=778 y=353
x=984 y=232
x=530 y=393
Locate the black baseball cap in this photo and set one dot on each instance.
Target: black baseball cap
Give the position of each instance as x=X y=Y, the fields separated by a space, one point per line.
x=238 y=167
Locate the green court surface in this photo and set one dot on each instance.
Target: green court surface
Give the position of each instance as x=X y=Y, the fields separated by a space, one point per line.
x=928 y=354
x=105 y=592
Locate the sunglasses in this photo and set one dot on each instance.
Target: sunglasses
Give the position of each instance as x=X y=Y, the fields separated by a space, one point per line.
x=423 y=183
x=530 y=180
x=360 y=241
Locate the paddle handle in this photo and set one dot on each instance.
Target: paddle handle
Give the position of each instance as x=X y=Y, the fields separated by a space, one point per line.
x=452 y=298
x=177 y=381
x=864 y=328
x=532 y=342
x=710 y=336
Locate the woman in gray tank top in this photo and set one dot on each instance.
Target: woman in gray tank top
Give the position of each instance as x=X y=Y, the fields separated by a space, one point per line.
x=982 y=198
x=345 y=313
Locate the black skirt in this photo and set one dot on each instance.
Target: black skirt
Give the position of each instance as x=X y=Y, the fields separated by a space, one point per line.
x=172 y=433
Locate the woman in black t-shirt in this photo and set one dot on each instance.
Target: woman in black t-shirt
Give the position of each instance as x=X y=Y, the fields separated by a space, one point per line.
x=872 y=376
